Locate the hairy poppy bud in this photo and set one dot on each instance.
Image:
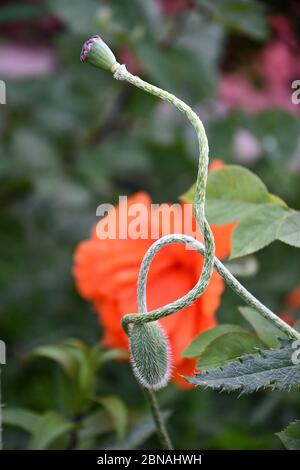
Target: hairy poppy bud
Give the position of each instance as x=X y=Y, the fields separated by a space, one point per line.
x=96 y=52
x=150 y=356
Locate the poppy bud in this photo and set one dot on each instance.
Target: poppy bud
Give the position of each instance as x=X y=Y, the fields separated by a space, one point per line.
x=97 y=53
x=150 y=355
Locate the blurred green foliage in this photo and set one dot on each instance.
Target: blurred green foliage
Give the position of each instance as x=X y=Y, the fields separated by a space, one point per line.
x=75 y=138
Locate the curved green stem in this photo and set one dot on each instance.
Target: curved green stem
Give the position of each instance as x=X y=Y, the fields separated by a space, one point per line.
x=120 y=73
x=96 y=52
x=230 y=280
x=162 y=432
x=199 y=202
x=208 y=251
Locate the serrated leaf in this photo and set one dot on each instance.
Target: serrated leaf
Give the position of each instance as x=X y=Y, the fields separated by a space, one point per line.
x=234 y=194
x=270 y=368
x=265 y=330
x=49 y=427
x=290 y=437
x=289 y=231
x=200 y=343
x=227 y=347
x=117 y=412
x=20 y=417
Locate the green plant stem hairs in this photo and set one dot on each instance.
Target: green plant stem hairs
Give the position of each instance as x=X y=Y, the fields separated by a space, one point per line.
x=150 y=356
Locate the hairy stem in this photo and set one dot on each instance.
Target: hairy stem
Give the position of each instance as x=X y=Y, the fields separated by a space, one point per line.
x=162 y=432
x=199 y=202
x=208 y=251
x=230 y=280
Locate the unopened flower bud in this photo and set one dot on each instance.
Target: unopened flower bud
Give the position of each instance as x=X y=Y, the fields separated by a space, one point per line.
x=150 y=355
x=97 y=53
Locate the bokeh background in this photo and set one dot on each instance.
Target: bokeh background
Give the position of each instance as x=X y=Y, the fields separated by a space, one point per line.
x=72 y=138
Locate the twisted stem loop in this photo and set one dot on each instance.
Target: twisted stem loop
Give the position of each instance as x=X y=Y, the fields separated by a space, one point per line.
x=97 y=53
x=199 y=204
x=207 y=250
x=230 y=280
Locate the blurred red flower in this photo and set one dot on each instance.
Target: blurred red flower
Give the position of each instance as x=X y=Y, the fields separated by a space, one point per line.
x=293 y=299
x=291 y=305
x=106 y=273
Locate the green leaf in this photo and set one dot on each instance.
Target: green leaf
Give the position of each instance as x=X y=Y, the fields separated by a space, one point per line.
x=100 y=357
x=58 y=354
x=172 y=70
x=78 y=361
x=227 y=347
x=197 y=48
x=289 y=231
x=117 y=411
x=49 y=427
x=11 y=12
x=245 y=16
x=234 y=194
x=290 y=437
x=95 y=424
x=20 y=417
x=258 y=230
x=28 y=146
x=265 y=330
x=237 y=185
x=139 y=434
x=277 y=131
x=82 y=355
x=200 y=343
x=79 y=17
x=270 y=368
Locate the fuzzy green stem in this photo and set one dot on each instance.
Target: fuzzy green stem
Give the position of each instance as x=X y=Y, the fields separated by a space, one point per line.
x=161 y=430
x=96 y=52
x=120 y=73
x=208 y=251
x=199 y=202
x=230 y=280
